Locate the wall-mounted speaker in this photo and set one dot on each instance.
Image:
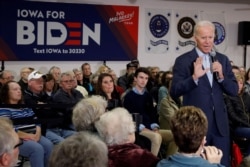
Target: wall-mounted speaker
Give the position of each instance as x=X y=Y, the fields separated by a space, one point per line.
x=244 y=33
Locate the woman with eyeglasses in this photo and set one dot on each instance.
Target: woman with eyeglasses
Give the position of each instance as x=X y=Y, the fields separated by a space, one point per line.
x=35 y=147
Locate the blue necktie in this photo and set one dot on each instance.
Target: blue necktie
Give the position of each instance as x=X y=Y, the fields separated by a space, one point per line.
x=208 y=64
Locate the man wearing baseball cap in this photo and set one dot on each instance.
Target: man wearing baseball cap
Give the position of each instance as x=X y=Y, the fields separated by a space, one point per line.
x=35 y=95
x=123 y=80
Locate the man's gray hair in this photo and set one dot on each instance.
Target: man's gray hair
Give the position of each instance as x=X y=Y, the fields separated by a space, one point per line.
x=203 y=23
x=7 y=139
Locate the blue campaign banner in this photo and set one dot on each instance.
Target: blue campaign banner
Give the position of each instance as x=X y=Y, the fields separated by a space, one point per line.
x=65 y=31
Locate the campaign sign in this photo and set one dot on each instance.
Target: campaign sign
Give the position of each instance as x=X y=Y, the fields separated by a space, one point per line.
x=65 y=31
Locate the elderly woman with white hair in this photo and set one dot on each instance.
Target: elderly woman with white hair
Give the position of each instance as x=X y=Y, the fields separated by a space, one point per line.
x=87 y=111
x=82 y=149
x=117 y=129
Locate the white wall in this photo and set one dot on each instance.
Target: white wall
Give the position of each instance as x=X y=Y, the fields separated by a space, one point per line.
x=233 y=51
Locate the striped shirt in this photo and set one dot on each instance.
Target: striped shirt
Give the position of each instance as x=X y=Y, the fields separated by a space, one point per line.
x=14 y=113
x=17 y=113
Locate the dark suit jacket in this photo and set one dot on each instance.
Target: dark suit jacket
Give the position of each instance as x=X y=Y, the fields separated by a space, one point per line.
x=209 y=99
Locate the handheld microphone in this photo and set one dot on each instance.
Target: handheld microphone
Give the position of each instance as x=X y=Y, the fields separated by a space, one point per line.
x=212 y=54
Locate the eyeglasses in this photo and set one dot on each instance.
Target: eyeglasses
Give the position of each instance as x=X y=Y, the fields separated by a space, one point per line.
x=78 y=74
x=16 y=146
x=68 y=81
x=19 y=144
x=9 y=78
x=26 y=72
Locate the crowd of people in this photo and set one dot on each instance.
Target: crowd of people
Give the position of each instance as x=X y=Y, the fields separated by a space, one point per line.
x=187 y=116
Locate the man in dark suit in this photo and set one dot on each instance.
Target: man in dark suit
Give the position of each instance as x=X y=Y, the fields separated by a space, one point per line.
x=201 y=76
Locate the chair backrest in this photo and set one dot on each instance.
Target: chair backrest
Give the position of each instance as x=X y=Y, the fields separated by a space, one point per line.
x=137 y=118
x=242 y=143
x=236 y=155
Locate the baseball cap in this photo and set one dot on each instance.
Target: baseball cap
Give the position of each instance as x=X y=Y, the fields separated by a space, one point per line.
x=135 y=62
x=131 y=65
x=35 y=75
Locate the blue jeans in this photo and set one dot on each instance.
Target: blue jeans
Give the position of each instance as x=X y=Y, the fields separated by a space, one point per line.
x=37 y=152
x=245 y=133
x=56 y=135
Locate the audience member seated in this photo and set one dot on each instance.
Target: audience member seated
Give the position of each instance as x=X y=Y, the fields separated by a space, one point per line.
x=155 y=89
x=49 y=85
x=82 y=149
x=79 y=76
x=153 y=71
x=35 y=146
x=56 y=73
x=167 y=108
x=139 y=100
x=67 y=95
x=93 y=81
x=123 y=80
x=24 y=73
x=9 y=144
x=164 y=88
x=189 y=126
x=80 y=88
x=106 y=88
x=5 y=76
x=117 y=129
x=34 y=95
x=238 y=108
x=86 y=72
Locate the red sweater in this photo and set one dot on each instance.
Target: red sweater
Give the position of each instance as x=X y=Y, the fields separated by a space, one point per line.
x=131 y=155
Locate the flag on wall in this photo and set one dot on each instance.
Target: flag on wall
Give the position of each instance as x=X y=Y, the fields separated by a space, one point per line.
x=184 y=22
x=157 y=27
x=220 y=29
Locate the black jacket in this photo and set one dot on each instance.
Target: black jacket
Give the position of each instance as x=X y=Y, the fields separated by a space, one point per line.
x=238 y=108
